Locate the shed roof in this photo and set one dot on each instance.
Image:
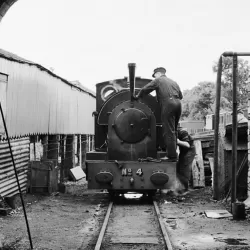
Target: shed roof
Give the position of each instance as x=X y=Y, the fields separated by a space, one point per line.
x=13 y=57
x=78 y=84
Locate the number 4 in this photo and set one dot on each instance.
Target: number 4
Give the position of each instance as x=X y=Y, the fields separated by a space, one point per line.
x=139 y=172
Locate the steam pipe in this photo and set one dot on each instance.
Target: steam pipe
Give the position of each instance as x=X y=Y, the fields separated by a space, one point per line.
x=131 y=68
x=230 y=53
x=216 y=190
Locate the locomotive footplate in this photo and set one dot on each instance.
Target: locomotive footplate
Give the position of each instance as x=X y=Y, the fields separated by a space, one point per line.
x=130 y=175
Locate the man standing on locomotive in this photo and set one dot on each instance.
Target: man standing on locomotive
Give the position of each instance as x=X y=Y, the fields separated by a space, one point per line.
x=169 y=96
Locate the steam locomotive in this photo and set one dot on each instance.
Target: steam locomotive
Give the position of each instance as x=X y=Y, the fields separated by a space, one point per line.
x=128 y=140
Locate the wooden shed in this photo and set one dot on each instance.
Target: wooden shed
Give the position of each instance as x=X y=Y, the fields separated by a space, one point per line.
x=35 y=101
x=225 y=161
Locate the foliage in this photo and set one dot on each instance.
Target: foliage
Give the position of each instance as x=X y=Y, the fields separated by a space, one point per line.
x=227 y=80
x=200 y=100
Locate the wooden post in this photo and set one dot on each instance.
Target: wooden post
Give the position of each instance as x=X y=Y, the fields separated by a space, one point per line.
x=247 y=201
x=88 y=141
x=69 y=155
x=211 y=163
x=74 y=150
x=248 y=145
x=83 y=149
x=62 y=153
x=34 y=145
x=198 y=166
x=79 y=150
x=45 y=147
x=52 y=147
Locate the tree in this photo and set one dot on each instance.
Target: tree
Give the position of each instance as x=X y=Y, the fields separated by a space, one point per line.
x=227 y=80
x=199 y=101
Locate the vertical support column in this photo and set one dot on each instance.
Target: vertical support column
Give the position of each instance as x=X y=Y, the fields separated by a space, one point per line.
x=235 y=134
x=216 y=190
x=45 y=147
x=88 y=141
x=93 y=142
x=248 y=146
x=83 y=149
x=69 y=155
x=34 y=145
x=74 y=151
x=79 y=149
x=52 y=147
x=62 y=153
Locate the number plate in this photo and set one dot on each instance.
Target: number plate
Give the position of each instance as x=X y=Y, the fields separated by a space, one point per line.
x=139 y=172
x=128 y=172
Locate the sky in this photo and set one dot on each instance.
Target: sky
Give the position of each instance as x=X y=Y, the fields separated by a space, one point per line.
x=94 y=40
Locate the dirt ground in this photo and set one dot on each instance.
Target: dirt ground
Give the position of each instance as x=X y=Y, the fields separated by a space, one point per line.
x=190 y=228
x=72 y=220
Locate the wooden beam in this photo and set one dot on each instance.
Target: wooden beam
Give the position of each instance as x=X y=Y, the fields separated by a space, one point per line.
x=198 y=166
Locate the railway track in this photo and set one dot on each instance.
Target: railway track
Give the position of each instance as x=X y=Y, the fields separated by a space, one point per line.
x=133 y=224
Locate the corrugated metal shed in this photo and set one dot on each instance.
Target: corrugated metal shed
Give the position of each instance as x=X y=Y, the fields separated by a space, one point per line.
x=40 y=102
x=21 y=153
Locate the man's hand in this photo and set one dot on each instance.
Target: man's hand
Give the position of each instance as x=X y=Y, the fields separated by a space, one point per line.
x=178 y=141
x=184 y=144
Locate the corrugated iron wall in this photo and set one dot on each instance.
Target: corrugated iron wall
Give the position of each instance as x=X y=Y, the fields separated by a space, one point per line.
x=40 y=103
x=21 y=153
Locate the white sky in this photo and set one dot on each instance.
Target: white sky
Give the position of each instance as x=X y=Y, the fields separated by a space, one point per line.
x=94 y=40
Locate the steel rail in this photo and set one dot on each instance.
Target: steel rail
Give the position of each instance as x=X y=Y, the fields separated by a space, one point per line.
x=163 y=229
x=104 y=226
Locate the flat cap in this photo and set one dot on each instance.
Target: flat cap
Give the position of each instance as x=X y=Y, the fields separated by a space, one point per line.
x=160 y=69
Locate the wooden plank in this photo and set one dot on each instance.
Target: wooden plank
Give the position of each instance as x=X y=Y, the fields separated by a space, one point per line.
x=198 y=166
x=77 y=173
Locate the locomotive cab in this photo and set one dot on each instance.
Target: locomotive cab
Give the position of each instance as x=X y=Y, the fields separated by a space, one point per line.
x=127 y=140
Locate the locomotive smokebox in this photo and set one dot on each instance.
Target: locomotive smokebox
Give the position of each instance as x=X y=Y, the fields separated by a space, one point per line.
x=131 y=69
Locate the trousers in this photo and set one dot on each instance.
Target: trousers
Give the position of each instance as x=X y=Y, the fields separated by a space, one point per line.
x=184 y=165
x=170 y=115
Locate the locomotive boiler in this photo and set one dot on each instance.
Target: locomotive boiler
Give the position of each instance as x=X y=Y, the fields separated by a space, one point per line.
x=128 y=140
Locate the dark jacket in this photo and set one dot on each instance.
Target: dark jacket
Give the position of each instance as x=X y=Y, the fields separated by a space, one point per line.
x=183 y=135
x=165 y=89
x=186 y=155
